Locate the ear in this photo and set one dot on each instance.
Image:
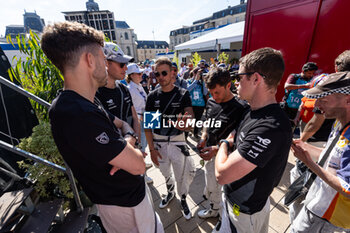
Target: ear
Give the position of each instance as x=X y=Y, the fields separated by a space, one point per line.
x=229 y=85
x=90 y=59
x=257 y=78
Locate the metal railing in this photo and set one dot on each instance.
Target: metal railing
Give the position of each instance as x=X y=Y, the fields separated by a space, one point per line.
x=36 y=158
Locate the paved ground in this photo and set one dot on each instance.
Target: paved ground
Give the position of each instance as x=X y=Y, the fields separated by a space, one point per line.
x=173 y=220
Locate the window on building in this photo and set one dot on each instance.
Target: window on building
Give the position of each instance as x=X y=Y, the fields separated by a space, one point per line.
x=179 y=40
x=113 y=35
x=104 y=16
x=111 y=24
x=128 y=50
x=126 y=35
x=110 y=16
x=66 y=17
x=105 y=24
x=91 y=17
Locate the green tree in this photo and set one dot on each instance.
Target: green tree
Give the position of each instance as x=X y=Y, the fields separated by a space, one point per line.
x=41 y=143
x=36 y=73
x=176 y=59
x=223 y=57
x=195 y=59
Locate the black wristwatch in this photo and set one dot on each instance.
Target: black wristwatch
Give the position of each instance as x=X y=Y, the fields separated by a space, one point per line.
x=224 y=141
x=133 y=134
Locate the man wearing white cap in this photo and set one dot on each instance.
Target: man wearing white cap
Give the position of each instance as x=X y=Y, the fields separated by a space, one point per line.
x=115 y=96
x=327 y=204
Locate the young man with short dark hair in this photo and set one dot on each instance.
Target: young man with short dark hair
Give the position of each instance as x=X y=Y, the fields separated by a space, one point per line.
x=228 y=109
x=167 y=145
x=295 y=84
x=261 y=146
x=107 y=166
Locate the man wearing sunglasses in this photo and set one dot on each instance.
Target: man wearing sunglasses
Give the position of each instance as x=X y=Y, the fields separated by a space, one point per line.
x=167 y=144
x=227 y=108
x=261 y=146
x=115 y=96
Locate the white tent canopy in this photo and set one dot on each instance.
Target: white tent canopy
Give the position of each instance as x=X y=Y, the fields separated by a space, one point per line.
x=230 y=33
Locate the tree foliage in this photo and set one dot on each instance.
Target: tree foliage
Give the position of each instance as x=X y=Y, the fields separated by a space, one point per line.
x=41 y=143
x=195 y=59
x=36 y=73
x=223 y=57
x=176 y=59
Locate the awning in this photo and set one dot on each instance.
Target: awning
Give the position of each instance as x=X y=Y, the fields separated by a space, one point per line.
x=230 y=33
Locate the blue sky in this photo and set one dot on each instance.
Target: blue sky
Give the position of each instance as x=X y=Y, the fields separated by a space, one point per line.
x=143 y=16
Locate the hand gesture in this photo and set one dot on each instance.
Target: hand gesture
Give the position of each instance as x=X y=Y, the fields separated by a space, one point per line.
x=201 y=144
x=208 y=152
x=154 y=156
x=299 y=150
x=181 y=120
x=114 y=170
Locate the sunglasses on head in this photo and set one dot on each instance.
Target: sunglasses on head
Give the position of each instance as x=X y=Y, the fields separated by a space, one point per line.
x=163 y=73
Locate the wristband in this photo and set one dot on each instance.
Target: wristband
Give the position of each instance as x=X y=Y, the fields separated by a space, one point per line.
x=132 y=134
x=225 y=141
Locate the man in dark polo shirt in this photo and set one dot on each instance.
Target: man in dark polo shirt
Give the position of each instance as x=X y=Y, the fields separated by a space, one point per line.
x=262 y=142
x=106 y=165
x=167 y=144
x=115 y=96
x=227 y=108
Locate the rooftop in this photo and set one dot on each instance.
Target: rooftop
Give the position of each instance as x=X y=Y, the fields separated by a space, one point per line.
x=121 y=24
x=150 y=44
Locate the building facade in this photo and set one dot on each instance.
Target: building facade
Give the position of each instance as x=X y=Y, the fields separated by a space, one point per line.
x=148 y=49
x=127 y=38
x=103 y=20
x=200 y=27
x=100 y=20
x=31 y=20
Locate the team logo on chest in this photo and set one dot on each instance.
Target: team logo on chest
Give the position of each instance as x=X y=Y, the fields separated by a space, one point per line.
x=157 y=103
x=102 y=138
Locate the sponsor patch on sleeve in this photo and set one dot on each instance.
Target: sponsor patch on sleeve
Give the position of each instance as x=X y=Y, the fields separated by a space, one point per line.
x=102 y=138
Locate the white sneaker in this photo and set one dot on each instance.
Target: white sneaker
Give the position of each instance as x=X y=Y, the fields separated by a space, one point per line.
x=165 y=201
x=148 y=179
x=185 y=210
x=208 y=213
x=217 y=227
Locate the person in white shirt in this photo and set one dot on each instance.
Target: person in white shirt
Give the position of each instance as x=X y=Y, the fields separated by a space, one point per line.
x=138 y=95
